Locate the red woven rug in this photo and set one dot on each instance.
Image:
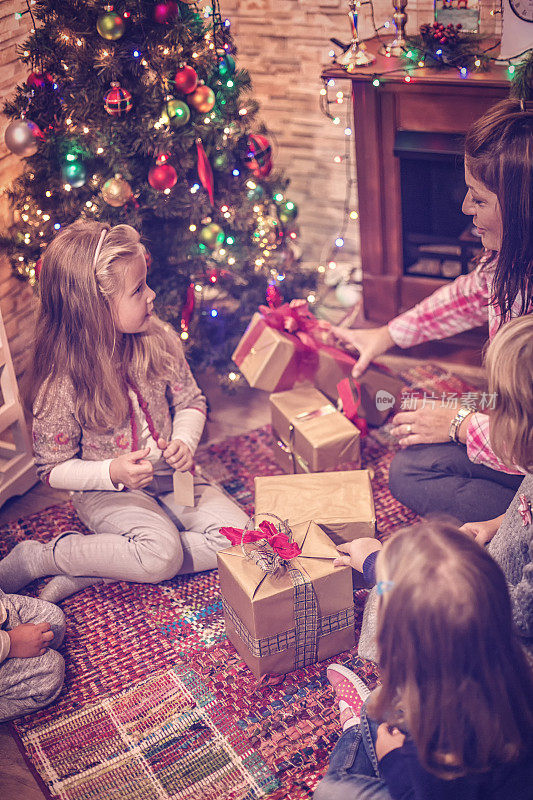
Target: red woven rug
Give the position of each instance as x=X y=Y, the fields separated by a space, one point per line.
x=156 y=702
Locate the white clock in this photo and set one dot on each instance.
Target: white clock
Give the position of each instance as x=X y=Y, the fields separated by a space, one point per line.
x=517 y=27
x=523 y=9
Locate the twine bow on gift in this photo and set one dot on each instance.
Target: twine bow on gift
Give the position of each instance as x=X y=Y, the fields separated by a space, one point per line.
x=281 y=547
x=274 y=551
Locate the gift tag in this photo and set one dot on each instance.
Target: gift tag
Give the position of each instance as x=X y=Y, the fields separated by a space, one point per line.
x=184 y=488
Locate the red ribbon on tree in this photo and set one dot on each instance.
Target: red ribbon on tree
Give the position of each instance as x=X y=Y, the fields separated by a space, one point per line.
x=187 y=308
x=273 y=296
x=205 y=173
x=279 y=542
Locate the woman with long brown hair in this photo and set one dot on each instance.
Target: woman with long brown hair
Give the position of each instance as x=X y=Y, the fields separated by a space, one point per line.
x=448 y=463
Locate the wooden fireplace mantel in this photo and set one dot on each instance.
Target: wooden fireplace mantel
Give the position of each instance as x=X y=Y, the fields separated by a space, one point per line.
x=436 y=101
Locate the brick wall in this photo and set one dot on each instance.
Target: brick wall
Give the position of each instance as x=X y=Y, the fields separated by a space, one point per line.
x=16 y=297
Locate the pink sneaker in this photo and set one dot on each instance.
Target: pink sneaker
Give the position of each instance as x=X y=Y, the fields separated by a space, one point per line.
x=350 y=692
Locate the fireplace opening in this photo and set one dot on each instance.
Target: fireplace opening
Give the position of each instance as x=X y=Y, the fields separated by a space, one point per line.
x=438 y=239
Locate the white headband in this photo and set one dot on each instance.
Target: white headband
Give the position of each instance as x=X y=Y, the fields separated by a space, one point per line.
x=99 y=246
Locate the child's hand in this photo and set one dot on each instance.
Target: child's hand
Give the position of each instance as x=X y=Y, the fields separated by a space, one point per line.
x=132 y=469
x=176 y=454
x=29 y=640
x=388 y=739
x=357 y=552
x=482 y=532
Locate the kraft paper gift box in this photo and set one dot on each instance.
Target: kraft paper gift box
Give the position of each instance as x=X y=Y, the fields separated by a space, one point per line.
x=276 y=626
x=379 y=389
x=340 y=502
x=310 y=435
x=286 y=345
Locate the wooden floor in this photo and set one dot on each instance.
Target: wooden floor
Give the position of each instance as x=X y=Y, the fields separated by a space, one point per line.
x=229 y=415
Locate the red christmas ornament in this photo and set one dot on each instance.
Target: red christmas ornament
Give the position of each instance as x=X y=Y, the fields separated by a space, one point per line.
x=165 y=13
x=263 y=171
x=37 y=268
x=205 y=173
x=38 y=80
x=273 y=296
x=186 y=79
x=259 y=151
x=117 y=101
x=162 y=176
x=187 y=308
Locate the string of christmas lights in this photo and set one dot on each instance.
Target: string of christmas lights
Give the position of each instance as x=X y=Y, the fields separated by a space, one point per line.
x=416 y=59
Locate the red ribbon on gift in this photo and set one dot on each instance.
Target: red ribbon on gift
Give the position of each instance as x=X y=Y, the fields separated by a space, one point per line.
x=307 y=333
x=279 y=542
x=350 y=394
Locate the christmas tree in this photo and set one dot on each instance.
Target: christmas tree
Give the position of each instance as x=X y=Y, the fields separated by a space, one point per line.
x=137 y=113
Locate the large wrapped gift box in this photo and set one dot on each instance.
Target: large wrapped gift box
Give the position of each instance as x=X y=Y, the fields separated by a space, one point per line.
x=286 y=346
x=340 y=502
x=310 y=435
x=300 y=614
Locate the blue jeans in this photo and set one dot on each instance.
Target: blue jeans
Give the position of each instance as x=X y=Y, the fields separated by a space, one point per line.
x=440 y=477
x=353 y=772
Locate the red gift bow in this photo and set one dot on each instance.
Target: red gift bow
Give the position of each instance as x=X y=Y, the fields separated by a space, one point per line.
x=279 y=542
x=296 y=318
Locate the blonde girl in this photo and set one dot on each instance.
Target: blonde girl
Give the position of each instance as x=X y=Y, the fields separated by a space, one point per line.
x=509 y=362
x=116 y=411
x=453 y=717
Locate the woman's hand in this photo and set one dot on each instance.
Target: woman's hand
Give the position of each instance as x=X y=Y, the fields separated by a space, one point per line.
x=176 y=454
x=369 y=342
x=423 y=425
x=29 y=640
x=388 y=738
x=484 y=531
x=132 y=469
x=357 y=552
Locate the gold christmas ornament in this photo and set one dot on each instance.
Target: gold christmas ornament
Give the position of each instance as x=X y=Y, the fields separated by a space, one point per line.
x=116 y=191
x=202 y=99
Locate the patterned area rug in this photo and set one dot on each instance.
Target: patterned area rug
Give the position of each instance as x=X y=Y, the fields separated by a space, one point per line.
x=156 y=702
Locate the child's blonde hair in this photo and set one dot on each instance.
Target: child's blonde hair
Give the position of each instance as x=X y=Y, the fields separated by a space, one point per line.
x=75 y=333
x=509 y=361
x=453 y=673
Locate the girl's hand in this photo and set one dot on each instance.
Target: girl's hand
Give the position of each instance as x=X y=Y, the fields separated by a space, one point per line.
x=357 y=552
x=132 y=469
x=176 y=454
x=369 y=342
x=423 y=425
x=482 y=532
x=388 y=738
x=29 y=640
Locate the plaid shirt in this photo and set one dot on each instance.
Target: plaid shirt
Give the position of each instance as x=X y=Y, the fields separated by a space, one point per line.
x=457 y=307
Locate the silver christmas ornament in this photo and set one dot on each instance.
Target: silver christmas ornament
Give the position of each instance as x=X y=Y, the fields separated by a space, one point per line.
x=22 y=137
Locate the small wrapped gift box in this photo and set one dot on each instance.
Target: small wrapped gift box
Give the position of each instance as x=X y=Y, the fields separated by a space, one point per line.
x=310 y=435
x=340 y=502
x=288 y=345
x=285 y=614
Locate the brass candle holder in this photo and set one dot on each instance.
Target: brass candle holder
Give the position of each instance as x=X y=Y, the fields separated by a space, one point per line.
x=398 y=44
x=356 y=55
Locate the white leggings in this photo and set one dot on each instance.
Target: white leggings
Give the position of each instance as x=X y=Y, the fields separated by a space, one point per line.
x=145 y=537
